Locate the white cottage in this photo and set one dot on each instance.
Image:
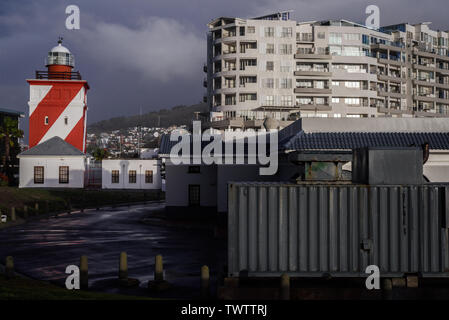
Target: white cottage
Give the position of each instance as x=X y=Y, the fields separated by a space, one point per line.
x=131 y=174
x=52 y=164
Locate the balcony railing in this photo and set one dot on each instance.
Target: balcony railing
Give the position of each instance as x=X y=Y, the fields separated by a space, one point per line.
x=58 y=75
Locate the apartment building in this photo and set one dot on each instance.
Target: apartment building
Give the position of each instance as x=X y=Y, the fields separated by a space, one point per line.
x=275 y=67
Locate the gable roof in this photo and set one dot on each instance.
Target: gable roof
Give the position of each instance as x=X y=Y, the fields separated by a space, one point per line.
x=353 y=140
x=53 y=147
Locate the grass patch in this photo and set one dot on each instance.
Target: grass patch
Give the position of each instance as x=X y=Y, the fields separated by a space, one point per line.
x=27 y=289
x=53 y=200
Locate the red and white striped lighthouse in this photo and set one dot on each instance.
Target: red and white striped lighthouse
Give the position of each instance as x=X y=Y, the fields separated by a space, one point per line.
x=58 y=101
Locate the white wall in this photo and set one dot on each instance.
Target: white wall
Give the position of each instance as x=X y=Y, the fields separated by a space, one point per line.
x=436 y=168
x=178 y=178
x=51 y=166
x=124 y=166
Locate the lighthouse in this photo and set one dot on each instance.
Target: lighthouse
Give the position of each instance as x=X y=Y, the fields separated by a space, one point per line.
x=58 y=101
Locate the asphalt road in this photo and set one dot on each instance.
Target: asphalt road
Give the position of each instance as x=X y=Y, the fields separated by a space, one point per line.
x=43 y=249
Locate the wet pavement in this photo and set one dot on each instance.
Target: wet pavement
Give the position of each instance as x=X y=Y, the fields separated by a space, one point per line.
x=43 y=249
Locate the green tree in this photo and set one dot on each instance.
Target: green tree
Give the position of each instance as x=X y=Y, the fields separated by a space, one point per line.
x=100 y=154
x=9 y=133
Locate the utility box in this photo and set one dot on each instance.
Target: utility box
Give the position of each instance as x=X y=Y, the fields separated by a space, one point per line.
x=387 y=166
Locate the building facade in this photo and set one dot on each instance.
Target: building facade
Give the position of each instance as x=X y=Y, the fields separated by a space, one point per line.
x=131 y=174
x=52 y=164
x=275 y=67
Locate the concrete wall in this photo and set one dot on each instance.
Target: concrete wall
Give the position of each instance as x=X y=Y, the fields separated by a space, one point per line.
x=178 y=179
x=124 y=166
x=436 y=168
x=51 y=171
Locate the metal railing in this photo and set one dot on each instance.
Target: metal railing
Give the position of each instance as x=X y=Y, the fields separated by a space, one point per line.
x=58 y=75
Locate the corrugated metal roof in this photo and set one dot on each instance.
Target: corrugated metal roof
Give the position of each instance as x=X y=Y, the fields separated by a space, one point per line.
x=53 y=147
x=352 y=140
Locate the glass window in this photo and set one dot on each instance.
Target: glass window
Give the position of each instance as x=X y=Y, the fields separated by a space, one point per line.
x=335 y=38
x=321 y=35
x=63 y=174
x=38 y=175
x=270 y=66
x=269 y=32
x=251 y=29
x=148 y=176
x=115 y=177
x=270 y=48
x=269 y=100
x=132 y=176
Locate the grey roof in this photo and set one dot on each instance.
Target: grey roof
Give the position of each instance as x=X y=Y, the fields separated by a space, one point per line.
x=353 y=140
x=53 y=147
x=12 y=112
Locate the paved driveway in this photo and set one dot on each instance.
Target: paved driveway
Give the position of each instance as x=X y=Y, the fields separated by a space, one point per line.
x=43 y=249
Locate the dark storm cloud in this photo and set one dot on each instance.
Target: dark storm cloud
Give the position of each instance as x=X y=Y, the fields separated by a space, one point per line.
x=149 y=54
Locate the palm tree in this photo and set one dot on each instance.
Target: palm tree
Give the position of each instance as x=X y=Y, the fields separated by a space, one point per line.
x=9 y=132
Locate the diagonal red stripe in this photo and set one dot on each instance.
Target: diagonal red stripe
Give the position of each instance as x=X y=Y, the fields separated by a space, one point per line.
x=53 y=104
x=76 y=136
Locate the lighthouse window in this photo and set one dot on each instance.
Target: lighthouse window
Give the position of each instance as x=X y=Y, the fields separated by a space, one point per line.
x=66 y=120
x=46 y=120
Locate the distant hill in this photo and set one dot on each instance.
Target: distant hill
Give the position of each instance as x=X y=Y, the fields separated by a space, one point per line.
x=178 y=115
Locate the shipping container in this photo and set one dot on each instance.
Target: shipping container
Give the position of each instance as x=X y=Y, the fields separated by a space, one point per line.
x=315 y=230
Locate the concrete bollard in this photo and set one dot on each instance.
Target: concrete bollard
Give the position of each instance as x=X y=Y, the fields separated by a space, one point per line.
x=205 y=281
x=13 y=214
x=285 y=287
x=9 y=267
x=36 y=208
x=123 y=267
x=25 y=212
x=84 y=273
x=158 y=269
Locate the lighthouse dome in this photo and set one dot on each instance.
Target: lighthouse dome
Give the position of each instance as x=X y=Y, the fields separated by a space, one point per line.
x=60 y=55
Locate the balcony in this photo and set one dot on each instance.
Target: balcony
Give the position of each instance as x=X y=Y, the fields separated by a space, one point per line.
x=314 y=107
x=313 y=90
x=311 y=55
x=205 y=68
x=313 y=72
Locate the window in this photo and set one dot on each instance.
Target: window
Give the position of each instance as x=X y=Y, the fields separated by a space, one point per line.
x=230 y=99
x=285 y=49
x=269 y=32
x=335 y=100
x=194 y=169
x=268 y=83
x=335 y=83
x=38 y=175
x=46 y=120
x=321 y=35
x=148 y=176
x=335 y=38
x=286 y=32
x=242 y=31
x=269 y=100
x=335 y=50
x=352 y=101
x=352 y=84
x=286 y=100
x=352 y=36
x=248 y=96
x=286 y=83
x=251 y=29
x=64 y=174
x=285 y=67
x=270 y=48
x=351 y=51
x=270 y=66
x=66 y=120
x=132 y=176
x=194 y=195
x=115 y=178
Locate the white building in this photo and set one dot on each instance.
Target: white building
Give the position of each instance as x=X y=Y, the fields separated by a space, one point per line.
x=203 y=188
x=276 y=67
x=53 y=163
x=131 y=174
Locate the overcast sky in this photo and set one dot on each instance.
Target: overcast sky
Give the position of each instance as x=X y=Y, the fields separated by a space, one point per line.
x=149 y=53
